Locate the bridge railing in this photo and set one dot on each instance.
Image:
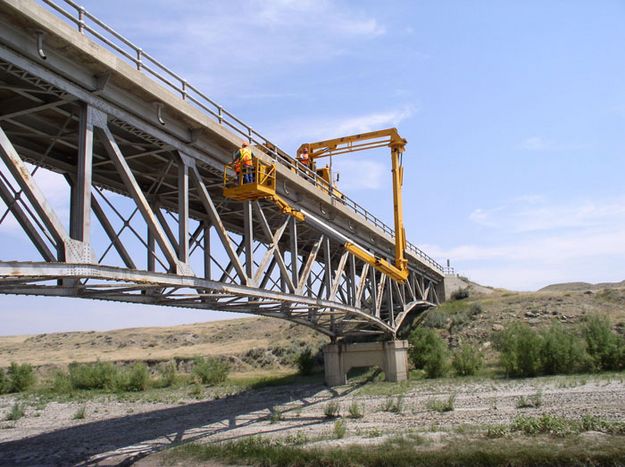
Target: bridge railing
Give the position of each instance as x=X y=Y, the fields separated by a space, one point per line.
x=147 y=64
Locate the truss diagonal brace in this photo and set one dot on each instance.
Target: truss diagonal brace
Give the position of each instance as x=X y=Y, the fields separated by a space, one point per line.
x=21 y=174
x=135 y=190
x=213 y=215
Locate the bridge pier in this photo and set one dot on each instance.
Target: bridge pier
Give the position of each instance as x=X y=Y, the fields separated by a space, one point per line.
x=391 y=357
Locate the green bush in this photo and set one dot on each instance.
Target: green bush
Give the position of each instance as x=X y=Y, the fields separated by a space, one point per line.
x=340 y=429
x=460 y=294
x=435 y=318
x=210 y=371
x=20 y=377
x=306 y=361
x=3 y=382
x=467 y=360
x=562 y=351
x=332 y=409
x=606 y=349
x=97 y=375
x=16 y=412
x=520 y=350
x=438 y=405
x=167 y=375
x=61 y=383
x=428 y=351
x=133 y=379
x=356 y=410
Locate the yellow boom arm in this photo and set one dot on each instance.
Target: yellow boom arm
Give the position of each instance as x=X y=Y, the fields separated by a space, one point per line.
x=374 y=139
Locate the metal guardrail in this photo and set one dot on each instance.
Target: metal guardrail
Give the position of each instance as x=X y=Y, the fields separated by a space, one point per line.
x=145 y=63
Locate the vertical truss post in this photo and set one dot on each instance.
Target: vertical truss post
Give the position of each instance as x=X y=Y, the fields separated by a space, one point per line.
x=374 y=292
x=294 y=252
x=248 y=238
x=151 y=252
x=352 y=279
x=389 y=291
x=183 y=212
x=207 y=249
x=80 y=217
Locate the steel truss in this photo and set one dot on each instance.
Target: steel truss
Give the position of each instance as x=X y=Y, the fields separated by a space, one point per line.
x=148 y=224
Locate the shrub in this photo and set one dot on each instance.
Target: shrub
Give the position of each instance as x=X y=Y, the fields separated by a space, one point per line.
x=210 y=371
x=562 y=351
x=167 y=375
x=134 y=379
x=438 y=405
x=276 y=415
x=530 y=402
x=520 y=348
x=20 y=377
x=428 y=351
x=17 y=412
x=61 y=383
x=545 y=424
x=80 y=413
x=339 y=429
x=306 y=361
x=460 y=294
x=332 y=409
x=3 y=382
x=394 y=404
x=97 y=375
x=356 y=410
x=435 y=319
x=467 y=360
x=605 y=348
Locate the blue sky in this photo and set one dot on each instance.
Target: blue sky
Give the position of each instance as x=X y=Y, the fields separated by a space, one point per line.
x=514 y=113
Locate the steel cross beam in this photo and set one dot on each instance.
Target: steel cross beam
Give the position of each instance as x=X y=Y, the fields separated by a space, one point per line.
x=148 y=222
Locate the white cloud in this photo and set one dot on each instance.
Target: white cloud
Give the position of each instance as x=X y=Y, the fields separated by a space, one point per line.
x=542 y=144
x=297 y=131
x=530 y=242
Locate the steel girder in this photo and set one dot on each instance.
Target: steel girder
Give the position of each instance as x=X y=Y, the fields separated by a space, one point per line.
x=148 y=224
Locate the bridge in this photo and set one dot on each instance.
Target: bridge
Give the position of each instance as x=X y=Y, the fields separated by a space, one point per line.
x=140 y=155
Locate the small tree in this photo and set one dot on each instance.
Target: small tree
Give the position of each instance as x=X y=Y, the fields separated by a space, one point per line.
x=467 y=360
x=605 y=348
x=210 y=371
x=429 y=352
x=306 y=361
x=20 y=377
x=562 y=351
x=520 y=348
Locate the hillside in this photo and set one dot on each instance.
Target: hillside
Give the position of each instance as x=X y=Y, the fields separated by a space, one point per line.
x=264 y=340
x=267 y=342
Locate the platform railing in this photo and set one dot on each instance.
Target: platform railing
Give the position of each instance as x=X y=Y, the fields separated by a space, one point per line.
x=88 y=24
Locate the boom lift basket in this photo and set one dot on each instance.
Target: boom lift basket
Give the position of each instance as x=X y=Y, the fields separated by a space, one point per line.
x=263 y=182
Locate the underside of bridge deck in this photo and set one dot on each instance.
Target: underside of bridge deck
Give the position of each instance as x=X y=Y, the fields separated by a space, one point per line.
x=136 y=211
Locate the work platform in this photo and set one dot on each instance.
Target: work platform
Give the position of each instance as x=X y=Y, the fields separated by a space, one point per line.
x=142 y=154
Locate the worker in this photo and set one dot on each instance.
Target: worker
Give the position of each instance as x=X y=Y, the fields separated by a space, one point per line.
x=304 y=158
x=242 y=161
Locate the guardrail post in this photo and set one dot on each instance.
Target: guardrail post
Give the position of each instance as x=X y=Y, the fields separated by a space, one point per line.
x=221 y=114
x=81 y=20
x=139 y=58
x=184 y=90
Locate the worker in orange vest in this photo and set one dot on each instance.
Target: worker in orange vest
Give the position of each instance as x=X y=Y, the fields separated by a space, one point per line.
x=243 y=161
x=304 y=158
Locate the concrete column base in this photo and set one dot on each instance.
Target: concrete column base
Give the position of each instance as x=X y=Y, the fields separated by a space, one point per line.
x=391 y=357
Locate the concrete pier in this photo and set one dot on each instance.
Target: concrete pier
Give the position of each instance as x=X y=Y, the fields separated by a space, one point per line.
x=391 y=357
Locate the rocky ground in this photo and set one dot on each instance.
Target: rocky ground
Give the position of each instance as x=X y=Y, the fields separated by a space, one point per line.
x=115 y=432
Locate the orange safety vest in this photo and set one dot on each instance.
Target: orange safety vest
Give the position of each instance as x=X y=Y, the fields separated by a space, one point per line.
x=246 y=156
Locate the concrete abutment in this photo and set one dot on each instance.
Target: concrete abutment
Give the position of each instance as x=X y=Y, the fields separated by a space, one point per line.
x=391 y=357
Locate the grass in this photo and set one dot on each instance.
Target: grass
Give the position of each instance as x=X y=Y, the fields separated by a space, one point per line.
x=80 y=413
x=438 y=405
x=355 y=410
x=401 y=451
x=276 y=415
x=530 y=402
x=16 y=412
x=340 y=429
x=332 y=409
x=394 y=404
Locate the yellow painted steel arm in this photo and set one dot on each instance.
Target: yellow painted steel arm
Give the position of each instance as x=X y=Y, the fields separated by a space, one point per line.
x=361 y=142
